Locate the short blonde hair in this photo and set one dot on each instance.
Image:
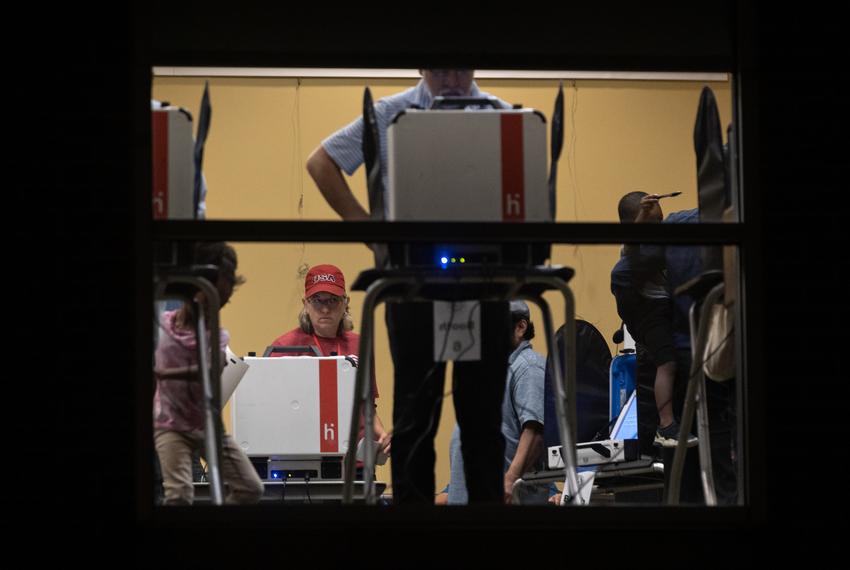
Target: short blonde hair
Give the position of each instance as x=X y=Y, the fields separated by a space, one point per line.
x=345 y=324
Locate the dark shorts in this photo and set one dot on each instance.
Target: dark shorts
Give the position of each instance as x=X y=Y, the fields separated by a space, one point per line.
x=650 y=322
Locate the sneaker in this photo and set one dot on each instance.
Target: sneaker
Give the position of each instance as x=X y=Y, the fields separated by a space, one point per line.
x=669 y=436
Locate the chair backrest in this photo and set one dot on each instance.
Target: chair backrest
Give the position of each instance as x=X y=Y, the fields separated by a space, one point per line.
x=593 y=362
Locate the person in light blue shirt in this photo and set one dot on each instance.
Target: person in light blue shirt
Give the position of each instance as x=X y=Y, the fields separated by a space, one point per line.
x=522 y=419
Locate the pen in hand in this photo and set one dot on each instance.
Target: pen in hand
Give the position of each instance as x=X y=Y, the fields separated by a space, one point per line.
x=670 y=195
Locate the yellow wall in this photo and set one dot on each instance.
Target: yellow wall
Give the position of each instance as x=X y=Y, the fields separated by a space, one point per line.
x=619 y=136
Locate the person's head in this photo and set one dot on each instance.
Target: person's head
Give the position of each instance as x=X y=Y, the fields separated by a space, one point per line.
x=325 y=310
x=223 y=256
x=448 y=82
x=630 y=206
x=523 y=328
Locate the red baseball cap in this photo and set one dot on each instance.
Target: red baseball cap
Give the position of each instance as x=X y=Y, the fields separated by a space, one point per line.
x=327 y=278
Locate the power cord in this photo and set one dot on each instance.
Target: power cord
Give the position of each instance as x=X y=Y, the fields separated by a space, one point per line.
x=307 y=488
x=469 y=323
x=418 y=392
x=439 y=401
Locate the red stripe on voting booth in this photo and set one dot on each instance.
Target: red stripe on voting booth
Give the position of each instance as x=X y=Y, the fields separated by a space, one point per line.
x=513 y=174
x=160 y=165
x=328 y=410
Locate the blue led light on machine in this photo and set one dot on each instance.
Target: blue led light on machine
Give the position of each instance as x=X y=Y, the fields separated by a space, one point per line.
x=445 y=261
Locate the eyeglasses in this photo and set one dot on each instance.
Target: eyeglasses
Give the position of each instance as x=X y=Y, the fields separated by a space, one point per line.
x=332 y=302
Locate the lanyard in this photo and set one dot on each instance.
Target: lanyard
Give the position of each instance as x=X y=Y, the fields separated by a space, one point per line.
x=319 y=346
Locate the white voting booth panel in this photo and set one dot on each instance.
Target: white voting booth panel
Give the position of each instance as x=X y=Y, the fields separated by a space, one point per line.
x=481 y=165
x=234 y=369
x=294 y=406
x=173 y=164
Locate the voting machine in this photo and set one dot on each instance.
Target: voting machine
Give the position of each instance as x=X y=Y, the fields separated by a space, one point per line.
x=291 y=415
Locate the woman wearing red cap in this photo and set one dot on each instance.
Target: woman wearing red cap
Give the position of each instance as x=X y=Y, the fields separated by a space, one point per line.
x=325 y=322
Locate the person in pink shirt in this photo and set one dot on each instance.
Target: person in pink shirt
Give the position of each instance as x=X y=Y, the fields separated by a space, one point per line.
x=178 y=399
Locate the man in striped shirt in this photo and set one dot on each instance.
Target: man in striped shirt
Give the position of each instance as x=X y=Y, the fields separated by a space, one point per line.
x=342 y=151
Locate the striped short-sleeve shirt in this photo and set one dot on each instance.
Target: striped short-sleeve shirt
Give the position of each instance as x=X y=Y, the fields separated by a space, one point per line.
x=345 y=146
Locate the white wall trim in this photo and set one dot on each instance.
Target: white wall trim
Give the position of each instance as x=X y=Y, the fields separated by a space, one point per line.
x=304 y=72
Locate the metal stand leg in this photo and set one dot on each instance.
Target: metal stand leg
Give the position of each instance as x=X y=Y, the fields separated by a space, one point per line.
x=565 y=388
x=696 y=389
x=706 y=469
x=565 y=371
x=563 y=402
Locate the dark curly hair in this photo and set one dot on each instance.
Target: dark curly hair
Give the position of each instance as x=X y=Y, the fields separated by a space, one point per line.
x=222 y=255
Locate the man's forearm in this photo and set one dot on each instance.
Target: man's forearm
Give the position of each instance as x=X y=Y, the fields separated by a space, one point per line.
x=328 y=177
x=528 y=450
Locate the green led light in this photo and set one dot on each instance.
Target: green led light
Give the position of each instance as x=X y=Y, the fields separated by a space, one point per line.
x=454 y=260
x=463 y=260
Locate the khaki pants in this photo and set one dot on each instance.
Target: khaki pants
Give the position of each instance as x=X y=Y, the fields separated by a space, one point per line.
x=243 y=485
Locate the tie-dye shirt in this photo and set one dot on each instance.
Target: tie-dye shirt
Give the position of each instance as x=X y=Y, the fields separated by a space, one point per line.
x=178 y=404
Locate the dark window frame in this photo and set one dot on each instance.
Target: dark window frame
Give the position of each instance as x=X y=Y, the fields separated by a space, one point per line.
x=723 y=43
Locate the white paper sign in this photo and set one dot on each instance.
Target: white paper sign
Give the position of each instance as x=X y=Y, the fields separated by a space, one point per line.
x=628 y=341
x=457 y=330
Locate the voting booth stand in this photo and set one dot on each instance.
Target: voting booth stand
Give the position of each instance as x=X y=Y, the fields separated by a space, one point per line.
x=501 y=284
x=474 y=162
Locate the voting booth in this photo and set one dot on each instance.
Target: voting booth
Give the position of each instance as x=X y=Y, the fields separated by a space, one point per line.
x=468 y=165
x=486 y=165
x=293 y=414
x=173 y=164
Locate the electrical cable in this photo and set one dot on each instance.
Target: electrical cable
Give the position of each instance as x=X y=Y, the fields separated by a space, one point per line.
x=488 y=284
x=307 y=488
x=296 y=149
x=571 y=160
x=439 y=401
x=439 y=362
x=469 y=325
x=303 y=267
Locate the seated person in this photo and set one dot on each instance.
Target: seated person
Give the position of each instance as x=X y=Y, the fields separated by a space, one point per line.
x=522 y=419
x=325 y=322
